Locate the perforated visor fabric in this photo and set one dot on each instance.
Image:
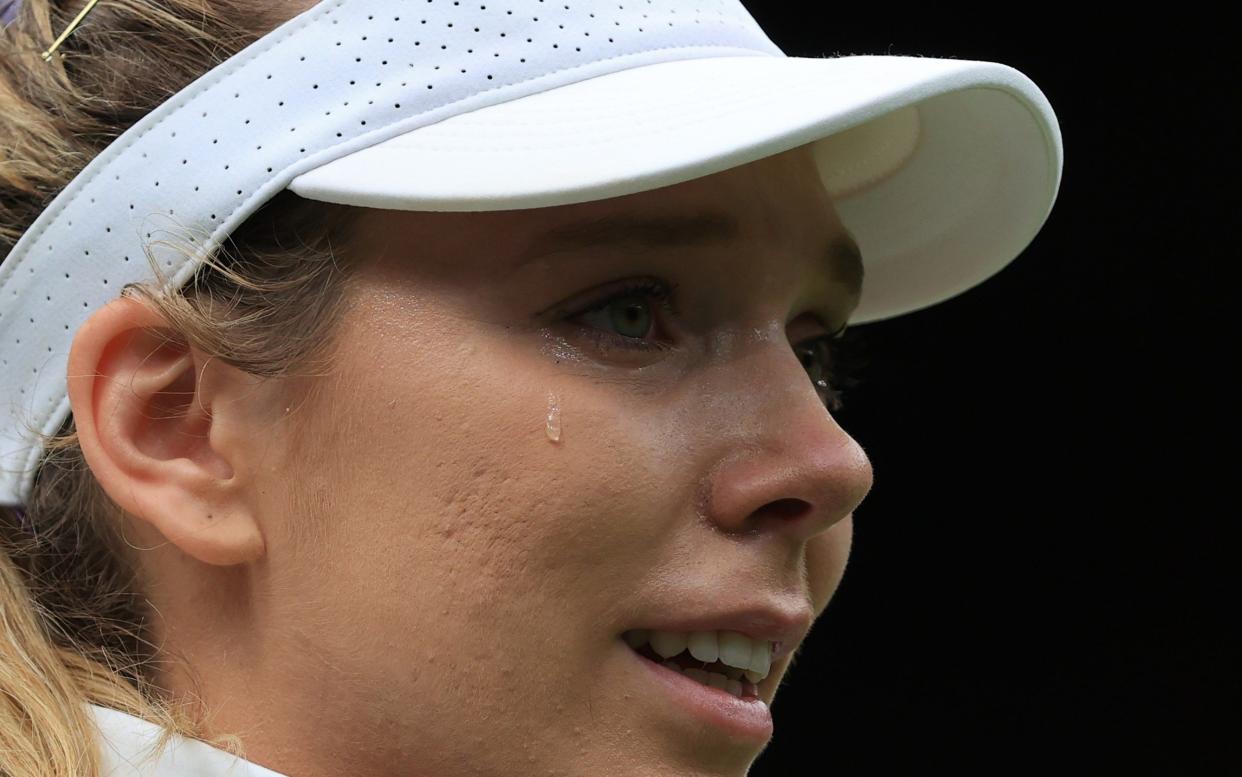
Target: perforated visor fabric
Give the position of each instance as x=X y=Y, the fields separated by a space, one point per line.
x=962 y=165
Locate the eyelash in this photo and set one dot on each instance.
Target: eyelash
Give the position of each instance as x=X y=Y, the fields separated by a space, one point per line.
x=838 y=373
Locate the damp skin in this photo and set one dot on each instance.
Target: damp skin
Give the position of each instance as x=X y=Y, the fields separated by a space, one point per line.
x=463 y=518
x=553 y=426
x=557 y=347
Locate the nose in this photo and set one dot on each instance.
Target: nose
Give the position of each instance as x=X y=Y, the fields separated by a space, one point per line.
x=785 y=465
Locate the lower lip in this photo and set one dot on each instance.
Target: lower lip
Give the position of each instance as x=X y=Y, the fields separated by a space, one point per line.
x=748 y=719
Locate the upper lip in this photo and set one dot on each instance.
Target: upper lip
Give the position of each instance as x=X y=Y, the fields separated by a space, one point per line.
x=785 y=625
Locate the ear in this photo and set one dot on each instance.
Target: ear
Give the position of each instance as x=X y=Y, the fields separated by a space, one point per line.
x=170 y=434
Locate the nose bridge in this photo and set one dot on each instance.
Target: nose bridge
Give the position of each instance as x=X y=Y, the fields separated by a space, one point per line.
x=784 y=463
x=757 y=369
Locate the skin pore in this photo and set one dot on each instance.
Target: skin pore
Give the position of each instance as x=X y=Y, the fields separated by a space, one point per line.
x=402 y=574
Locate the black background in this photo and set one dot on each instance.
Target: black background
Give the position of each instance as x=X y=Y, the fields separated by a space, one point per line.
x=1042 y=577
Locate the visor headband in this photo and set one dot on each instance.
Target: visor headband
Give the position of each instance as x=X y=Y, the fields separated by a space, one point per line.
x=342 y=76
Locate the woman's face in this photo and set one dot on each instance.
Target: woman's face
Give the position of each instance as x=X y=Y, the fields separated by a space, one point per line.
x=508 y=472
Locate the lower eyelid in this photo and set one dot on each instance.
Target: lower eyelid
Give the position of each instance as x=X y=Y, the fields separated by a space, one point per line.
x=611 y=341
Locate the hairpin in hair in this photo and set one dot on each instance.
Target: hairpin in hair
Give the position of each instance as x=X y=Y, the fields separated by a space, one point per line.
x=47 y=55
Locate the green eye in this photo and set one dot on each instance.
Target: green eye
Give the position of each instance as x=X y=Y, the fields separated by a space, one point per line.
x=631 y=315
x=627 y=318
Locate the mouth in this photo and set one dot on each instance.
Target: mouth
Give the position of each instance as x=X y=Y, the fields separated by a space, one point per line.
x=722 y=666
x=717 y=692
x=733 y=674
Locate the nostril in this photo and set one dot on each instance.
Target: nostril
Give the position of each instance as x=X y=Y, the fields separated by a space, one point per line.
x=785 y=508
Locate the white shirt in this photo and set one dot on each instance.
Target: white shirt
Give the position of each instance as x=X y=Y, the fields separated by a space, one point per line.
x=125 y=742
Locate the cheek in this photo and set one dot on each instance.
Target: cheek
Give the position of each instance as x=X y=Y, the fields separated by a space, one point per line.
x=446 y=460
x=827 y=555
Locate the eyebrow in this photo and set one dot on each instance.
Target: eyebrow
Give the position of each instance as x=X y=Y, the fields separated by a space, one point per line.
x=654 y=232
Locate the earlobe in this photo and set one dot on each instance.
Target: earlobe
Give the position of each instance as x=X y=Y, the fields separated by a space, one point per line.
x=150 y=419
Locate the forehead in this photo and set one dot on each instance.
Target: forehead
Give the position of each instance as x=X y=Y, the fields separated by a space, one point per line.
x=780 y=197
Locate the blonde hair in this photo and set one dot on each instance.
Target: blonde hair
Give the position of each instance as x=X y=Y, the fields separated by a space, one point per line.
x=73 y=617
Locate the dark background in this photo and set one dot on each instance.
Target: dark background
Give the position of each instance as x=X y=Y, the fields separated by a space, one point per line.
x=1042 y=578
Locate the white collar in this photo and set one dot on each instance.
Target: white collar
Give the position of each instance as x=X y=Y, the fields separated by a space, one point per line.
x=125 y=743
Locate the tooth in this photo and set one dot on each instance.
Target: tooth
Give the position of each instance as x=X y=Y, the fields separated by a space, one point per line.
x=636 y=638
x=761 y=658
x=754 y=677
x=672 y=665
x=733 y=673
x=735 y=649
x=703 y=646
x=667 y=644
x=713 y=680
x=697 y=674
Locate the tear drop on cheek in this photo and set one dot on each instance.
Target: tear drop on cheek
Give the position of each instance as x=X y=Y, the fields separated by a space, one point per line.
x=553 y=426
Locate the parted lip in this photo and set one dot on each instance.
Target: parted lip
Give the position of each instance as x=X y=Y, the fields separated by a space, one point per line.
x=784 y=625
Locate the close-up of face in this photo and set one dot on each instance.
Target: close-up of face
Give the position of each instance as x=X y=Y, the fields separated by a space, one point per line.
x=554 y=442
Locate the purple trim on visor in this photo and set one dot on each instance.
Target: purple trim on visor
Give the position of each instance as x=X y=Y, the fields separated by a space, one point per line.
x=8 y=11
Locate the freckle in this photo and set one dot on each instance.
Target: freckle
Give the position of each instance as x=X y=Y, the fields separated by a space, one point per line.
x=553 y=426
